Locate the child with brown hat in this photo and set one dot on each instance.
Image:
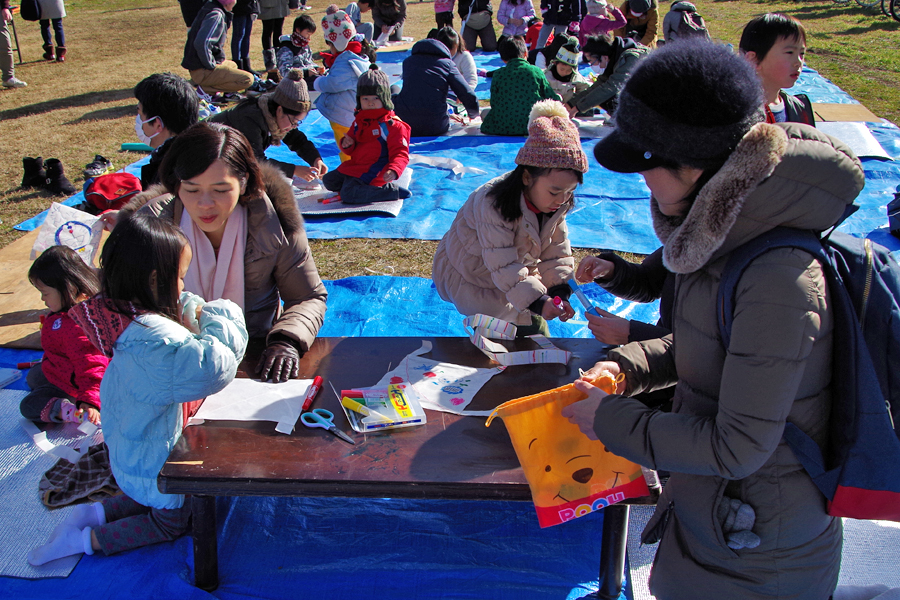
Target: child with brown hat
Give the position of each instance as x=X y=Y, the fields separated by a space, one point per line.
x=377 y=143
x=507 y=253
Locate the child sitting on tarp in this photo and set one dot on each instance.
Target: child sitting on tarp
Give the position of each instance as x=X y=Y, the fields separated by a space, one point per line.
x=775 y=44
x=377 y=144
x=515 y=88
x=295 y=53
x=337 y=89
x=507 y=253
x=65 y=385
x=563 y=75
x=430 y=74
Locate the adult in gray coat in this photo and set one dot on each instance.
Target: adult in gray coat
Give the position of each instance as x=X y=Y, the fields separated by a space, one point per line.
x=739 y=517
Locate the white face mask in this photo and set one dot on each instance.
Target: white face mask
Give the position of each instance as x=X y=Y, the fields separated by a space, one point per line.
x=597 y=69
x=139 y=129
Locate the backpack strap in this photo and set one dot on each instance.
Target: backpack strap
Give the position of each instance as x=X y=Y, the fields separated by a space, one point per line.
x=740 y=259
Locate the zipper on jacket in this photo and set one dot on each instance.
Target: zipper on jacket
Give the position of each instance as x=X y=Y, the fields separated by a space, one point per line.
x=870 y=269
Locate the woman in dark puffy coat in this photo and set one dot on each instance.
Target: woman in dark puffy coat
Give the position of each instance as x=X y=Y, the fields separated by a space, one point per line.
x=739 y=517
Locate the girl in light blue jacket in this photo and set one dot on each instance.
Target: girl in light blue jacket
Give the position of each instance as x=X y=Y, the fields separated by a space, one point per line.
x=165 y=351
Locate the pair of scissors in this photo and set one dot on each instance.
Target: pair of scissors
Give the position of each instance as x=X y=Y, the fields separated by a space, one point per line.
x=319 y=417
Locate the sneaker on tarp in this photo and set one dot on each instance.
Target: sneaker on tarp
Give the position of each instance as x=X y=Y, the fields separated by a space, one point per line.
x=97 y=167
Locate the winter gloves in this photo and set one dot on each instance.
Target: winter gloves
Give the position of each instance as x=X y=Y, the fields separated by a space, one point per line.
x=279 y=362
x=737 y=520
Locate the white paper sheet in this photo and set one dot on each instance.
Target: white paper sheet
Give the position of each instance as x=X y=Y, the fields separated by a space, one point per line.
x=252 y=400
x=441 y=386
x=855 y=135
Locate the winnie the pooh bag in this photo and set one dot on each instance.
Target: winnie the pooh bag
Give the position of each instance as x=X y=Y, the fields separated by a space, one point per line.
x=569 y=475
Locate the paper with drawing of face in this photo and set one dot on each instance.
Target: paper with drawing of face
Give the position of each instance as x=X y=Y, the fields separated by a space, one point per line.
x=441 y=386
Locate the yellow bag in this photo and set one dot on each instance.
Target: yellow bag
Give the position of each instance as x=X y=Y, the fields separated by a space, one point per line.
x=569 y=474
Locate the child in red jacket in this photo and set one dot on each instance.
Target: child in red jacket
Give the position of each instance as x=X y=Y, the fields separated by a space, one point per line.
x=378 y=145
x=65 y=385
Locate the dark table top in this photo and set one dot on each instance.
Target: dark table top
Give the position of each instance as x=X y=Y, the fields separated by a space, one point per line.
x=450 y=457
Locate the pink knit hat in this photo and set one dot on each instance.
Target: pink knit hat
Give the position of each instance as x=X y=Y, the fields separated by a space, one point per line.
x=338 y=29
x=553 y=141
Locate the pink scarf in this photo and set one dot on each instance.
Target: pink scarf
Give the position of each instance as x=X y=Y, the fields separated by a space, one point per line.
x=210 y=277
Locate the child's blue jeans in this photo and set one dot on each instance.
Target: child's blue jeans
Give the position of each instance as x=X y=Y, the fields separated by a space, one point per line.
x=354 y=191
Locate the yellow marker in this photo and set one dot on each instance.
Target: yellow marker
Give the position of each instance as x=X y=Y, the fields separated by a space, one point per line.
x=362 y=408
x=398 y=399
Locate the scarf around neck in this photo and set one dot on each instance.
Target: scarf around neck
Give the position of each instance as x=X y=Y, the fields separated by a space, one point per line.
x=212 y=277
x=276 y=132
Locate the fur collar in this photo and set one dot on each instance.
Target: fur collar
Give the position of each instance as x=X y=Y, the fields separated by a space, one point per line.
x=281 y=195
x=691 y=241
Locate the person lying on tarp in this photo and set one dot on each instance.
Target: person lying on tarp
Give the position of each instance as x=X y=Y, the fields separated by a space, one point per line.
x=248 y=239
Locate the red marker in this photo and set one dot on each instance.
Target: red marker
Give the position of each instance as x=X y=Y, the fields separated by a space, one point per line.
x=311 y=393
x=557 y=302
x=28 y=365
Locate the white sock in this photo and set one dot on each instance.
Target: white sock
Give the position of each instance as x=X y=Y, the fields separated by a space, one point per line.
x=69 y=541
x=81 y=516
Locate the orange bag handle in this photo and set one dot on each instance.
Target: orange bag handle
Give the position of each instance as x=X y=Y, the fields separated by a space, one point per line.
x=605 y=381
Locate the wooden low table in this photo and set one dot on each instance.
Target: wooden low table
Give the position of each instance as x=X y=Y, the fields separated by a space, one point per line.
x=451 y=457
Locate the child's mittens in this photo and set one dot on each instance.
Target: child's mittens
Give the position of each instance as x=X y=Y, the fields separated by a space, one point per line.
x=737 y=520
x=190 y=310
x=70 y=540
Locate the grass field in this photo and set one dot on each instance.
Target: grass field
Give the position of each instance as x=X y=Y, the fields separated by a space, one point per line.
x=85 y=106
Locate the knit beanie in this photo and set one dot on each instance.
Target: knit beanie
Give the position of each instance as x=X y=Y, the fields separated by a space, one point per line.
x=570 y=54
x=553 y=141
x=338 y=29
x=374 y=82
x=595 y=6
x=291 y=92
x=639 y=7
x=573 y=29
x=688 y=104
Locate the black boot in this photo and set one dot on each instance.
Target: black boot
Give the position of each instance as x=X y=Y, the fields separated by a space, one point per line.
x=48 y=52
x=245 y=65
x=34 y=176
x=56 y=180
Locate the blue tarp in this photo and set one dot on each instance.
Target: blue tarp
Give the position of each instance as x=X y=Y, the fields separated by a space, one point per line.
x=410 y=306
x=335 y=548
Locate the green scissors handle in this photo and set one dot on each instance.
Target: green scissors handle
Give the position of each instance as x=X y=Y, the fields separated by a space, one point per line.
x=319 y=417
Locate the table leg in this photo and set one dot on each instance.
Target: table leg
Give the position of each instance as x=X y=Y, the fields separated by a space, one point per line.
x=206 y=560
x=612 y=551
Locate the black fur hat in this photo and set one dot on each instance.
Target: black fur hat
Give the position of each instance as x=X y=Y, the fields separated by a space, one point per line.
x=688 y=104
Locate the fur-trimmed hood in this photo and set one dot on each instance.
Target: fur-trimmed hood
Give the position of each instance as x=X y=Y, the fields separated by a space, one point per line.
x=278 y=191
x=779 y=175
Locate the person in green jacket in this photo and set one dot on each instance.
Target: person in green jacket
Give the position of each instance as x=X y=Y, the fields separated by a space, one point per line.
x=515 y=88
x=612 y=59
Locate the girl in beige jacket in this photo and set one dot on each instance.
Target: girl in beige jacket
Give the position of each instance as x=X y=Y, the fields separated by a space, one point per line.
x=507 y=253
